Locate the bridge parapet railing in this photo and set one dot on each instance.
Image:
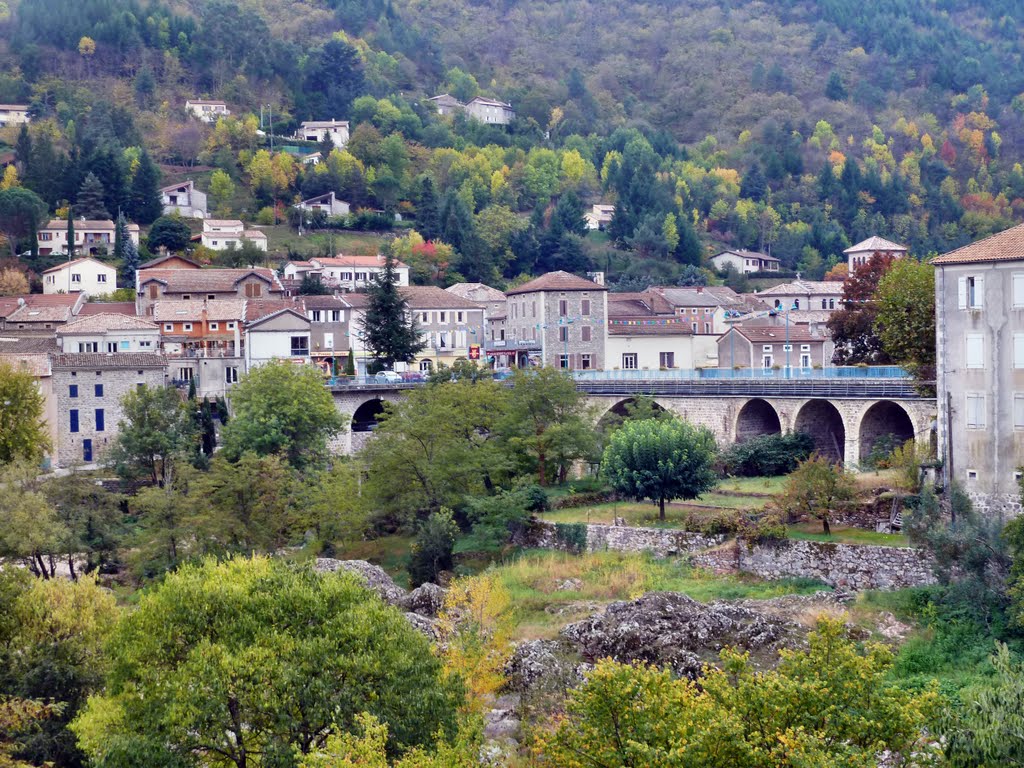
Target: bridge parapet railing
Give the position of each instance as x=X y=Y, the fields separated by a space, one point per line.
x=747 y=374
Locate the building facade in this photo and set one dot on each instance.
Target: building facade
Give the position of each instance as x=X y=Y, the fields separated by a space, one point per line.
x=88 y=389
x=91 y=237
x=979 y=302
x=814 y=295
x=559 y=320
x=207 y=110
x=861 y=253
x=221 y=234
x=318 y=130
x=109 y=333
x=13 y=114
x=745 y=262
x=86 y=275
x=184 y=199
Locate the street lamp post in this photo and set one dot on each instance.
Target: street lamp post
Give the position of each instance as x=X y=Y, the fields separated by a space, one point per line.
x=788 y=345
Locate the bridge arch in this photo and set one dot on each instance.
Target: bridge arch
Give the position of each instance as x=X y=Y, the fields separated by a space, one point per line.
x=757 y=417
x=884 y=421
x=620 y=411
x=365 y=418
x=824 y=423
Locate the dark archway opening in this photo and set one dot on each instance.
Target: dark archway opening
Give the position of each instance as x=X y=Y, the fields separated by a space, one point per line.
x=366 y=416
x=757 y=417
x=823 y=422
x=885 y=426
x=630 y=408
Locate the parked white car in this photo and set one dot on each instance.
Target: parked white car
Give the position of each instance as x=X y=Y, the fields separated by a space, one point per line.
x=387 y=377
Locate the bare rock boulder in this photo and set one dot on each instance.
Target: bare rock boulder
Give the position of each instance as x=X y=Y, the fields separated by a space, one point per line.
x=375 y=577
x=672 y=630
x=426 y=600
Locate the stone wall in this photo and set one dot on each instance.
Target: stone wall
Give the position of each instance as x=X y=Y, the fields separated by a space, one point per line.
x=849 y=566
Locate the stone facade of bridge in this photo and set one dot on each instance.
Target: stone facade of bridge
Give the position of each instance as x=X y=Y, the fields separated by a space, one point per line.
x=843 y=429
x=354 y=404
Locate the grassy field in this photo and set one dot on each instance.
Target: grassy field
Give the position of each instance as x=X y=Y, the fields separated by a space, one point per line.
x=845 y=535
x=282 y=238
x=533 y=578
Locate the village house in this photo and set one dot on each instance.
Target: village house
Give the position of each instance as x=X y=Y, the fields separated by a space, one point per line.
x=207 y=110
x=328 y=204
x=184 y=199
x=204 y=285
x=491 y=299
x=87 y=276
x=645 y=333
x=91 y=237
x=221 y=234
x=446 y=104
x=318 y=130
x=490 y=111
x=862 y=252
x=329 y=340
x=768 y=347
x=599 y=216
x=979 y=302
x=745 y=262
x=13 y=114
x=275 y=331
x=347 y=273
x=88 y=388
x=109 y=333
x=706 y=308
x=823 y=295
x=559 y=320
x=38 y=314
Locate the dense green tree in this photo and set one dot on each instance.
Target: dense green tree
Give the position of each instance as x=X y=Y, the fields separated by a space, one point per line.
x=853 y=326
x=333 y=78
x=144 y=205
x=281 y=656
x=21 y=212
x=156 y=433
x=23 y=430
x=834 y=88
x=431 y=553
x=30 y=530
x=547 y=422
x=818 y=488
x=89 y=203
x=91 y=519
x=281 y=408
x=661 y=459
x=389 y=328
x=169 y=232
x=905 y=318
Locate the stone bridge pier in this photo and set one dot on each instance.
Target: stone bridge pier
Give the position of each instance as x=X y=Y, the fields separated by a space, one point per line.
x=361 y=407
x=844 y=429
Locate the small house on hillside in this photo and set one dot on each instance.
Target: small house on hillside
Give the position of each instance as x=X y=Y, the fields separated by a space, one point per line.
x=184 y=199
x=446 y=104
x=13 y=114
x=490 y=111
x=329 y=204
x=862 y=252
x=600 y=216
x=220 y=234
x=207 y=110
x=745 y=262
x=86 y=275
x=318 y=130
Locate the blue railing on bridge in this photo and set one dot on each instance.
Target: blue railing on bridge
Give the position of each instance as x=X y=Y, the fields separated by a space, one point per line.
x=747 y=374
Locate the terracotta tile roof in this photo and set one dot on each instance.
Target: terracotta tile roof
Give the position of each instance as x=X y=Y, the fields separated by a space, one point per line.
x=80 y=224
x=168 y=257
x=256 y=309
x=26 y=345
x=292 y=311
x=875 y=244
x=652 y=302
x=106 y=322
x=432 y=297
x=10 y=304
x=356 y=300
x=206 y=280
x=323 y=302
x=87 y=360
x=556 y=281
x=192 y=311
x=479 y=292
x=236 y=223
x=802 y=287
x=107 y=307
x=66 y=264
x=772 y=334
x=691 y=297
x=650 y=326
x=1007 y=245
x=40 y=312
x=745 y=254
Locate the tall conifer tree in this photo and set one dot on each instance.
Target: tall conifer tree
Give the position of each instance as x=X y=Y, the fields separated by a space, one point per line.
x=389 y=330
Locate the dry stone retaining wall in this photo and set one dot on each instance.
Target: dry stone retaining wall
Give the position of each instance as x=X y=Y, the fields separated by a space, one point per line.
x=850 y=566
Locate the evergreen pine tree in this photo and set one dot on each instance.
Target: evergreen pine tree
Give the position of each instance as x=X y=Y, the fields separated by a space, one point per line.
x=130 y=261
x=71 y=232
x=119 y=235
x=689 y=249
x=350 y=364
x=754 y=185
x=834 y=88
x=89 y=201
x=23 y=149
x=426 y=211
x=389 y=330
x=144 y=204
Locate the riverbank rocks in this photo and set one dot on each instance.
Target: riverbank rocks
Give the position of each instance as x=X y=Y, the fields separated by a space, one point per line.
x=675 y=631
x=426 y=600
x=534 y=663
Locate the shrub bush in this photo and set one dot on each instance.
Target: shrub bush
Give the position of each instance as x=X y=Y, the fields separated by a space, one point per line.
x=585 y=499
x=767 y=455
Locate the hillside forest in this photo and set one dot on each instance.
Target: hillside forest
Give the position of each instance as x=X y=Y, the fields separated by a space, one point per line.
x=797 y=127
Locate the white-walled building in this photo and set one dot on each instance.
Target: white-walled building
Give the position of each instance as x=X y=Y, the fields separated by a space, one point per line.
x=85 y=275
x=817 y=295
x=281 y=335
x=221 y=234
x=745 y=262
x=862 y=252
x=207 y=110
x=351 y=273
x=316 y=130
x=184 y=199
x=490 y=111
x=13 y=114
x=329 y=204
x=91 y=236
x=109 y=333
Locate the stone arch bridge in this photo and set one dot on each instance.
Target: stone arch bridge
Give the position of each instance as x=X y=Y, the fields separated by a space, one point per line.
x=845 y=421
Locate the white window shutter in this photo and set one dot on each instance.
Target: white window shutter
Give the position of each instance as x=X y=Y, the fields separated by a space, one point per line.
x=1018 y=411
x=979 y=292
x=1018 y=289
x=962 y=293
x=1018 y=350
x=975 y=350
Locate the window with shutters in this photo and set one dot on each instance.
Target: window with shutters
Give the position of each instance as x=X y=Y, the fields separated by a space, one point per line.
x=629 y=361
x=971 y=292
x=563 y=308
x=585 y=307
x=1018 y=290
x=585 y=333
x=563 y=333
x=975 y=350
x=1018 y=350
x=1018 y=410
x=975 y=410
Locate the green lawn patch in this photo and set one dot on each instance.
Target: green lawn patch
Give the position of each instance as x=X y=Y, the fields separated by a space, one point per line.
x=845 y=535
x=389 y=552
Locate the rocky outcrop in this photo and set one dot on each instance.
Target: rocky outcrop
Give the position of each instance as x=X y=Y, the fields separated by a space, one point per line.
x=424 y=625
x=426 y=600
x=375 y=577
x=538 y=661
x=672 y=630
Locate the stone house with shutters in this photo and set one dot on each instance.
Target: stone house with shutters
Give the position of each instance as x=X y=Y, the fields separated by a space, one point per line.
x=38 y=314
x=184 y=284
x=559 y=320
x=329 y=323
x=88 y=389
x=979 y=303
x=816 y=295
x=800 y=347
x=109 y=333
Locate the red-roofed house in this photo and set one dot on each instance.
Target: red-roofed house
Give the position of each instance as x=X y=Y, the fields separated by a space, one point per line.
x=85 y=275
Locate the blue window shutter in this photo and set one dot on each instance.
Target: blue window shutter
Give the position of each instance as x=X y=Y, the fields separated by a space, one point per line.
x=74 y=419
x=100 y=421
